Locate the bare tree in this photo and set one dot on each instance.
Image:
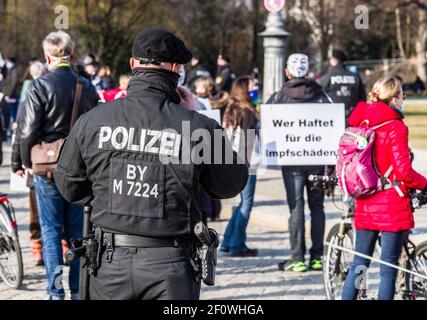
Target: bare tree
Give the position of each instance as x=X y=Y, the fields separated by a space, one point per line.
x=418 y=37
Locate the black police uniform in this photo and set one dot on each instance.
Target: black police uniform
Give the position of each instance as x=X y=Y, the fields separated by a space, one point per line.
x=342 y=85
x=225 y=78
x=115 y=154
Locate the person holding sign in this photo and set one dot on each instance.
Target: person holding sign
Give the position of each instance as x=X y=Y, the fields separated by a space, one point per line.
x=240 y=121
x=298 y=89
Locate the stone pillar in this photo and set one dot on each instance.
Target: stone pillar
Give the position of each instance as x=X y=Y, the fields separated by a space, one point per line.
x=275 y=37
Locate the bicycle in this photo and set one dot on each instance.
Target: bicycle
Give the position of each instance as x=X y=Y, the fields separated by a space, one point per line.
x=338 y=255
x=11 y=265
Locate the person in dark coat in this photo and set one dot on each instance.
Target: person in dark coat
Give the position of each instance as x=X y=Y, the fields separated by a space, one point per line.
x=342 y=85
x=299 y=89
x=145 y=191
x=225 y=75
x=11 y=89
x=47 y=118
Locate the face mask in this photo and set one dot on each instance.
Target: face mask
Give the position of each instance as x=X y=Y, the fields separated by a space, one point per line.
x=181 y=80
x=254 y=95
x=399 y=111
x=9 y=65
x=298 y=65
x=401 y=106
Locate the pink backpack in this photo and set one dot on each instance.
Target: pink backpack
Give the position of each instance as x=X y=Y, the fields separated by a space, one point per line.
x=356 y=169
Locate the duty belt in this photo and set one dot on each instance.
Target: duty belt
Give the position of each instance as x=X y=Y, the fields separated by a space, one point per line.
x=112 y=240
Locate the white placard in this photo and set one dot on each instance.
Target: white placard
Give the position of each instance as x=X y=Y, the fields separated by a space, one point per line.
x=206 y=102
x=18 y=183
x=214 y=114
x=301 y=134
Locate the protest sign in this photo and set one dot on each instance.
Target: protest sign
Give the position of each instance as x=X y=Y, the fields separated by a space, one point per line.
x=18 y=183
x=214 y=114
x=301 y=134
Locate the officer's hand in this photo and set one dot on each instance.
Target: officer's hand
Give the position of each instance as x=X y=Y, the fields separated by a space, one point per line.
x=187 y=99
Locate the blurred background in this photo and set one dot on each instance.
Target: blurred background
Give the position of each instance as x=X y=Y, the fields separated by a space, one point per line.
x=395 y=39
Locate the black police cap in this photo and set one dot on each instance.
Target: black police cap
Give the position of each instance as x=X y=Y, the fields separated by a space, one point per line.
x=156 y=45
x=339 y=54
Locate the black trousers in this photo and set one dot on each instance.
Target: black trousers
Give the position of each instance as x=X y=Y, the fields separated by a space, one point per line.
x=296 y=180
x=145 y=274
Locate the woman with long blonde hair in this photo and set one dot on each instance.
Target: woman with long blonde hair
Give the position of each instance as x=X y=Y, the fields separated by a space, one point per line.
x=387 y=212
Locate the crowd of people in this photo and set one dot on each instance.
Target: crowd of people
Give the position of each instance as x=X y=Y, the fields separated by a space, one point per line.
x=36 y=105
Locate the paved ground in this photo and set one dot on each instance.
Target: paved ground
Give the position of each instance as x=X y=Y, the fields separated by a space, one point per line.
x=237 y=278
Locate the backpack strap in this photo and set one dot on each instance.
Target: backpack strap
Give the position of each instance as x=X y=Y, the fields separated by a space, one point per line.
x=388 y=172
x=77 y=98
x=381 y=125
x=387 y=184
x=364 y=122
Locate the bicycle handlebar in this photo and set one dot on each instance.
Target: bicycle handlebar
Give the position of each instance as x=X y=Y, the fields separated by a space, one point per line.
x=418 y=199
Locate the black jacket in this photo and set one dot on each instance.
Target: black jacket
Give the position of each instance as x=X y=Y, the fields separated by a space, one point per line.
x=12 y=84
x=16 y=162
x=115 y=154
x=49 y=108
x=225 y=78
x=344 y=86
x=298 y=90
x=195 y=73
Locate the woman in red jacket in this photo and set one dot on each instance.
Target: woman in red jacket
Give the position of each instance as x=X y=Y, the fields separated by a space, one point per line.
x=387 y=212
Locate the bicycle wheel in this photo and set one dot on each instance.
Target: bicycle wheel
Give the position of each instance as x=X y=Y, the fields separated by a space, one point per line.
x=336 y=262
x=417 y=286
x=11 y=266
x=403 y=279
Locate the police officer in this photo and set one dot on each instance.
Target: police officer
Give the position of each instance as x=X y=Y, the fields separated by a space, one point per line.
x=225 y=74
x=342 y=85
x=130 y=156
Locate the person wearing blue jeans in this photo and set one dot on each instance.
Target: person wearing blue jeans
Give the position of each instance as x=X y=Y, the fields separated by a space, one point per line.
x=241 y=122
x=234 y=240
x=57 y=216
x=391 y=247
